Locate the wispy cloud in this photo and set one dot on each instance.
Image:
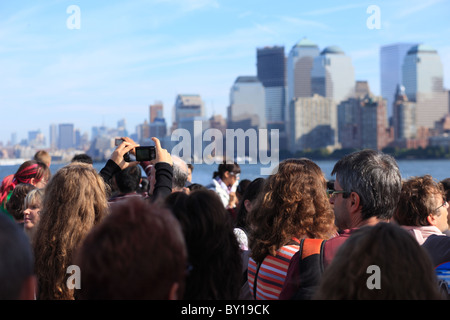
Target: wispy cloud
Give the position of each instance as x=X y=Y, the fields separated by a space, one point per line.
x=329 y=10
x=298 y=22
x=191 y=5
x=414 y=7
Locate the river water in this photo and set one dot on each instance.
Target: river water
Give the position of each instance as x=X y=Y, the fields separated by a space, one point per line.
x=202 y=173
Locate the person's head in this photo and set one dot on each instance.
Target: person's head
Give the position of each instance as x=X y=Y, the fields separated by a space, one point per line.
x=248 y=200
x=190 y=170
x=16 y=262
x=446 y=185
x=422 y=203
x=32 y=172
x=213 y=250
x=43 y=156
x=15 y=204
x=137 y=252
x=367 y=188
x=128 y=179
x=294 y=204
x=82 y=157
x=228 y=172
x=241 y=187
x=196 y=186
x=379 y=262
x=32 y=208
x=180 y=174
x=75 y=200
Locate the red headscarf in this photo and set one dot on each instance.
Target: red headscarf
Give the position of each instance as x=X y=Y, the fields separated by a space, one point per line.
x=23 y=175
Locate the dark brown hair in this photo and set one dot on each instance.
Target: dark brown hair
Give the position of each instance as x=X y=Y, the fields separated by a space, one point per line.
x=405 y=269
x=137 y=252
x=213 y=250
x=418 y=201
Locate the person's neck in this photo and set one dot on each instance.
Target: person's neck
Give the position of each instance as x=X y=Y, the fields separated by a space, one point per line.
x=369 y=222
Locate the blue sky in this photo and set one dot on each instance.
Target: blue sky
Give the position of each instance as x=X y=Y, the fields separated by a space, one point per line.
x=129 y=54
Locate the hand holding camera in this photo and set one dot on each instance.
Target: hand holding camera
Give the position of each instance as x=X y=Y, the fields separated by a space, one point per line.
x=121 y=156
x=154 y=154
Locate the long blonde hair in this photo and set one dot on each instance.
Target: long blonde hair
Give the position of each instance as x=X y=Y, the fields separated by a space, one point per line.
x=75 y=200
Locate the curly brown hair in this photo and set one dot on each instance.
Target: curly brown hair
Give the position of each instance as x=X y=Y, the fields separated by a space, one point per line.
x=293 y=203
x=74 y=201
x=417 y=201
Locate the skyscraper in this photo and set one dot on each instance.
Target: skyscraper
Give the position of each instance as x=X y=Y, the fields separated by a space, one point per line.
x=156 y=111
x=333 y=75
x=53 y=133
x=404 y=116
x=247 y=103
x=314 y=123
x=188 y=106
x=299 y=65
x=66 y=137
x=423 y=81
x=391 y=75
x=271 y=71
x=362 y=120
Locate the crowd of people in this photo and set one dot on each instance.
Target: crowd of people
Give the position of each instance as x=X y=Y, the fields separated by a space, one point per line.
x=146 y=230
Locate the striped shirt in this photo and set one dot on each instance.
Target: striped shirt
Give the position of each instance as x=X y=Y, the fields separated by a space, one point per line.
x=272 y=273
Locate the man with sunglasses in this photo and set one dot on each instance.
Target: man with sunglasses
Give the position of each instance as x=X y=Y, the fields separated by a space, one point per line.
x=366 y=191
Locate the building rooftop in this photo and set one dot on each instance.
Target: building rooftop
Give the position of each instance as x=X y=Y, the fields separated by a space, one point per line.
x=332 y=50
x=422 y=48
x=247 y=79
x=305 y=43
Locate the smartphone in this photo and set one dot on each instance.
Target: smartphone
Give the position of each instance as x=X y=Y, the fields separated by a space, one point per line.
x=147 y=153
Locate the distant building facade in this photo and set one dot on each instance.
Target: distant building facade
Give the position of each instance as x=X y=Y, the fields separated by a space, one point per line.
x=247 y=104
x=314 y=123
x=391 y=75
x=333 y=75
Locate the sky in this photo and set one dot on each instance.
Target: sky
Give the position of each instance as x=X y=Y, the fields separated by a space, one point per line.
x=115 y=58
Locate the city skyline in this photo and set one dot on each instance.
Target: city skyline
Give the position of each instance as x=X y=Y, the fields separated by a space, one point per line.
x=125 y=56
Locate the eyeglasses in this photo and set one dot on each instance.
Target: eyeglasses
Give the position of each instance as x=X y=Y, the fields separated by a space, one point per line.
x=331 y=193
x=237 y=175
x=445 y=205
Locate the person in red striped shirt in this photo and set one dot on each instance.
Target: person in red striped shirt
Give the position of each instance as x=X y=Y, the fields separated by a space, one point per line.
x=293 y=206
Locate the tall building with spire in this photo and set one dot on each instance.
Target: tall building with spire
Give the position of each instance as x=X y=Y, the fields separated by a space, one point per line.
x=391 y=75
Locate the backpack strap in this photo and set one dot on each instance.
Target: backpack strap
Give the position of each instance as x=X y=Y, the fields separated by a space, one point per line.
x=311 y=267
x=256 y=279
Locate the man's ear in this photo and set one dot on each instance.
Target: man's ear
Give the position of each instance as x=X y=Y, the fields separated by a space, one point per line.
x=431 y=219
x=173 y=292
x=354 y=200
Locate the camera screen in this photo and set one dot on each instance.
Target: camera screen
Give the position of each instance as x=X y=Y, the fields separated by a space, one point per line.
x=142 y=154
x=145 y=153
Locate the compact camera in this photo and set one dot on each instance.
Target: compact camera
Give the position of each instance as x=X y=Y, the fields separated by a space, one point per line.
x=147 y=153
x=126 y=156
